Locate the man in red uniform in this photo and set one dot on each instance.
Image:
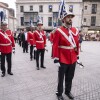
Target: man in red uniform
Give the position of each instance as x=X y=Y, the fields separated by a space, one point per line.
x=31 y=41
x=6 y=45
x=40 y=39
x=66 y=50
x=51 y=40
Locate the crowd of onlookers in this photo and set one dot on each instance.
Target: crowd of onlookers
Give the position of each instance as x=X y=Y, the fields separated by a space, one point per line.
x=86 y=36
x=91 y=37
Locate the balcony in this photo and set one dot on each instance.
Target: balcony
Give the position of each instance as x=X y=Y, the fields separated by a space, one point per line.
x=30 y=16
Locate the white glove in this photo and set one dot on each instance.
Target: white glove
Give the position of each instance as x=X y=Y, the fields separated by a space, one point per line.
x=35 y=48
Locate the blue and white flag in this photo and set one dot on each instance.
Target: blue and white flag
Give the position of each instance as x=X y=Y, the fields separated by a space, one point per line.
x=39 y=18
x=2 y=15
x=62 y=9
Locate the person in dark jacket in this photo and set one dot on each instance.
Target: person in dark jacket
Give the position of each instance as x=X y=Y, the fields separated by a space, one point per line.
x=25 y=41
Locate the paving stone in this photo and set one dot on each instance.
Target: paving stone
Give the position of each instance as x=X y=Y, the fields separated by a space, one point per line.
x=27 y=83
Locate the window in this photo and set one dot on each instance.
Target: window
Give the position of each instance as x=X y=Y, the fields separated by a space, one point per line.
x=22 y=21
x=71 y=8
x=41 y=8
x=31 y=8
x=50 y=8
x=93 y=20
x=49 y=21
x=84 y=19
x=85 y=7
x=21 y=9
x=55 y=19
x=94 y=8
x=59 y=22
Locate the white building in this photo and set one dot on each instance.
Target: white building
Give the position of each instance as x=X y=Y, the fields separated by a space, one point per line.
x=5 y=16
x=48 y=10
x=91 y=16
x=12 y=23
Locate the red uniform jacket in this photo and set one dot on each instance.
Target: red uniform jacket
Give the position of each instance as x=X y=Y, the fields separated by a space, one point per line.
x=5 y=44
x=40 y=39
x=31 y=38
x=66 y=56
x=51 y=37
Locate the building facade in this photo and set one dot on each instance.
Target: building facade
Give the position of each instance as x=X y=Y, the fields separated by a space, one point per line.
x=91 y=16
x=12 y=20
x=27 y=10
x=7 y=15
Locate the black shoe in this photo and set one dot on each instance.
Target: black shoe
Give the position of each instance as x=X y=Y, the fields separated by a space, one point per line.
x=10 y=73
x=3 y=75
x=34 y=58
x=60 y=98
x=38 y=68
x=43 y=67
x=70 y=96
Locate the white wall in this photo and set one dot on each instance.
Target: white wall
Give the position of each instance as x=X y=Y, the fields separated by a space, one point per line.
x=11 y=24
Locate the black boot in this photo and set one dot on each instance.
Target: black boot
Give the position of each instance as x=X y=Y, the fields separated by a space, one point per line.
x=43 y=67
x=60 y=98
x=70 y=96
x=10 y=73
x=3 y=74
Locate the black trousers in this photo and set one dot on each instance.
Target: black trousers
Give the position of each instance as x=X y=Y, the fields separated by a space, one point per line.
x=66 y=70
x=8 y=58
x=0 y=59
x=40 y=52
x=31 y=51
x=19 y=42
x=52 y=52
x=25 y=46
x=34 y=54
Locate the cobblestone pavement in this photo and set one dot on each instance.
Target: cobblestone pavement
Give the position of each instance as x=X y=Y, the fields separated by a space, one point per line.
x=27 y=83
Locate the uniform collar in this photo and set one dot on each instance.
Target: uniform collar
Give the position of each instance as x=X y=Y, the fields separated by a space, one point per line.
x=66 y=26
x=39 y=31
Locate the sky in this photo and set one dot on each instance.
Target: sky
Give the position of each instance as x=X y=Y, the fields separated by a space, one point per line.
x=11 y=3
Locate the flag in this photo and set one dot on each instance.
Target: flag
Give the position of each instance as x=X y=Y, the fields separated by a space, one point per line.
x=39 y=18
x=62 y=9
x=2 y=15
